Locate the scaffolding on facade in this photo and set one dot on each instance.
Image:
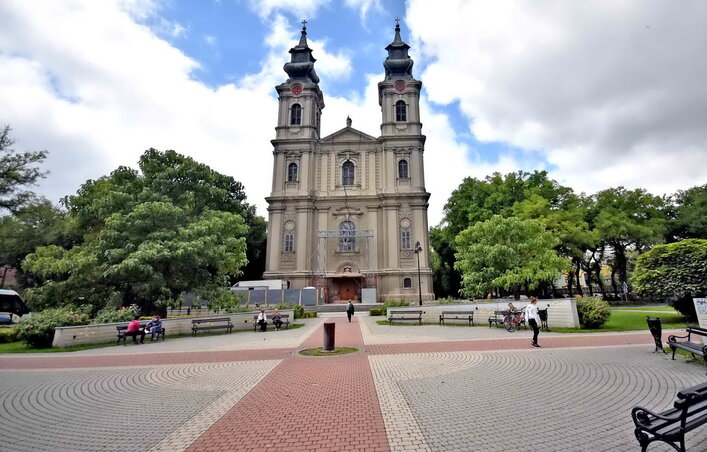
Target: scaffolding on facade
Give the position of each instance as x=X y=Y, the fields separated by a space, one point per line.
x=361 y=255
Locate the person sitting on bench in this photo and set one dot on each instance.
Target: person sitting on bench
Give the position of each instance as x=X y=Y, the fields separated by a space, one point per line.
x=154 y=327
x=134 y=329
x=262 y=321
x=276 y=319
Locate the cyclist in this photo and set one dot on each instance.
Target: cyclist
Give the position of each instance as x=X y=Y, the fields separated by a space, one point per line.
x=533 y=319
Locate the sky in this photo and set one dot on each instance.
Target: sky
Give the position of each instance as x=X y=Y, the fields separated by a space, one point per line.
x=599 y=93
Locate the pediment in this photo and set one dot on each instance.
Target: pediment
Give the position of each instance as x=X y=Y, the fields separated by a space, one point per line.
x=348 y=134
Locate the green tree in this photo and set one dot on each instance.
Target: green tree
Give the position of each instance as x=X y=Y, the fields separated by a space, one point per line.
x=144 y=237
x=507 y=253
x=17 y=170
x=688 y=214
x=675 y=272
x=627 y=220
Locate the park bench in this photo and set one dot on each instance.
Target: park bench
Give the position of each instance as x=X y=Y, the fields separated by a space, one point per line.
x=123 y=328
x=457 y=315
x=689 y=412
x=692 y=347
x=497 y=318
x=284 y=318
x=211 y=324
x=404 y=315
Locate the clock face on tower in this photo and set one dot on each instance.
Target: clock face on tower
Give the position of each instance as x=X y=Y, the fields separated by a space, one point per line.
x=296 y=89
x=400 y=85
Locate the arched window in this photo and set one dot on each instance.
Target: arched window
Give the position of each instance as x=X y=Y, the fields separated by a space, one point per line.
x=403 y=169
x=292 y=172
x=347 y=237
x=405 y=241
x=347 y=173
x=289 y=244
x=296 y=115
x=400 y=111
x=407 y=283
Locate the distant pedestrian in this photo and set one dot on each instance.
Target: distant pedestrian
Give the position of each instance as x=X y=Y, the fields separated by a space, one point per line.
x=262 y=321
x=349 y=310
x=533 y=319
x=134 y=329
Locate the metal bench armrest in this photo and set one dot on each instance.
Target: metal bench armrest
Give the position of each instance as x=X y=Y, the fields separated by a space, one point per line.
x=639 y=411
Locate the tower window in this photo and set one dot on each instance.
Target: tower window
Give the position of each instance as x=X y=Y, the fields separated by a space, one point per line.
x=289 y=244
x=296 y=115
x=292 y=172
x=400 y=111
x=403 y=169
x=347 y=237
x=347 y=173
x=405 y=242
x=407 y=283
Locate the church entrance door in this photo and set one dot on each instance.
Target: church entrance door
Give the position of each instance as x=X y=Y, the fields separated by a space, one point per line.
x=347 y=289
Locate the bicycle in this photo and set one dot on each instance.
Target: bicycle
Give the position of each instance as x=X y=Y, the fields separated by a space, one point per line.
x=513 y=319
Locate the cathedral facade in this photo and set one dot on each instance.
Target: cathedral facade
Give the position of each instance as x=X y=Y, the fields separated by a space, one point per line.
x=348 y=212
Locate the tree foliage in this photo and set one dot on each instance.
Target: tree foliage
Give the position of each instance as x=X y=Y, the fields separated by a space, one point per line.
x=17 y=171
x=507 y=253
x=675 y=271
x=688 y=214
x=144 y=237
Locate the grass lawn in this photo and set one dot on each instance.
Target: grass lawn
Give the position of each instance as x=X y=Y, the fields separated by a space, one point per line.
x=629 y=321
x=21 y=347
x=645 y=308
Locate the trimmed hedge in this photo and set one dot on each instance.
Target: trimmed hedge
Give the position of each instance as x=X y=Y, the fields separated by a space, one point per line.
x=593 y=313
x=376 y=311
x=37 y=331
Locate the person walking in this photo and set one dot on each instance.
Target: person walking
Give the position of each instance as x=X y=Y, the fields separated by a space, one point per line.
x=533 y=319
x=349 y=310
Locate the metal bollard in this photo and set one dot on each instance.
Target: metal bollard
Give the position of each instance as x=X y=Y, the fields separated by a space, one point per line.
x=329 y=336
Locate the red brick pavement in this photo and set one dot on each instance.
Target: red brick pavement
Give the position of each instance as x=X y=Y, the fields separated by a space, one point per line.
x=307 y=403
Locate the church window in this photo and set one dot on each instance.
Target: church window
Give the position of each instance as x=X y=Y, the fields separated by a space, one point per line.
x=289 y=244
x=400 y=111
x=403 y=169
x=292 y=172
x=405 y=242
x=347 y=173
x=347 y=237
x=407 y=283
x=296 y=115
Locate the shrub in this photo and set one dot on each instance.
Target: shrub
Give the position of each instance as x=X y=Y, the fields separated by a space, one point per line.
x=312 y=314
x=299 y=310
x=376 y=311
x=393 y=304
x=112 y=315
x=224 y=300
x=593 y=313
x=7 y=335
x=37 y=331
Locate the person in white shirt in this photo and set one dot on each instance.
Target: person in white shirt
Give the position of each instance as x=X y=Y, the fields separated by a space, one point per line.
x=533 y=319
x=262 y=320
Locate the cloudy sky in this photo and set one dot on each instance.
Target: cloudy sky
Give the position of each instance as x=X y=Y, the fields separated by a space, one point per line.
x=599 y=93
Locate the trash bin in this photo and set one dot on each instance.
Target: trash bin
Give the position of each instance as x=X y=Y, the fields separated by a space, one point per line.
x=329 y=336
x=656 y=330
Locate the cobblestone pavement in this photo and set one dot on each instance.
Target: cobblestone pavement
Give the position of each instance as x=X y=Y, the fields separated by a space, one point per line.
x=438 y=388
x=550 y=400
x=159 y=407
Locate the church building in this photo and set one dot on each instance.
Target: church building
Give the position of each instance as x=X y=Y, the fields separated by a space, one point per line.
x=348 y=212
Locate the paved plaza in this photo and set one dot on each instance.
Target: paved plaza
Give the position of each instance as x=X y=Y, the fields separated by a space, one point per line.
x=424 y=387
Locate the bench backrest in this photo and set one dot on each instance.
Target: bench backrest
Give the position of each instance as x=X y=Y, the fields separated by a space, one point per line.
x=405 y=312
x=690 y=397
x=697 y=330
x=125 y=327
x=269 y=316
x=457 y=312
x=224 y=319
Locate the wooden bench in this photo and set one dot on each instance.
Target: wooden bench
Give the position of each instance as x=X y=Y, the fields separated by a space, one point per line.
x=123 y=328
x=284 y=318
x=692 y=347
x=497 y=318
x=404 y=315
x=689 y=412
x=457 y=315
x=211 y=324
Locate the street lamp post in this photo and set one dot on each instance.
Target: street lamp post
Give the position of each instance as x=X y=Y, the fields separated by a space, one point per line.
x=418 y=250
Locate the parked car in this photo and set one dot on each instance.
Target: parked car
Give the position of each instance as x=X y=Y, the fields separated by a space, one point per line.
x=11 y=303
x=6 y=318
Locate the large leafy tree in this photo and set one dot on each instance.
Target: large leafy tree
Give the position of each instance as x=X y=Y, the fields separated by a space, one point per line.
x=627 y=220
x=17 y=171
x=675 y=272
x=509 y=253
x=688 y=210
x=145 y=236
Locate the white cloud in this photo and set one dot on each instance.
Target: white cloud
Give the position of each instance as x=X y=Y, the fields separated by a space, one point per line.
x=610 y=92
x=363 y=6
x=303 y=9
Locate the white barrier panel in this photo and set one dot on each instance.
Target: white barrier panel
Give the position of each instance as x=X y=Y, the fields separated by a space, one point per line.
x=561 y=312
x=701 y=309
x=66 y=336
